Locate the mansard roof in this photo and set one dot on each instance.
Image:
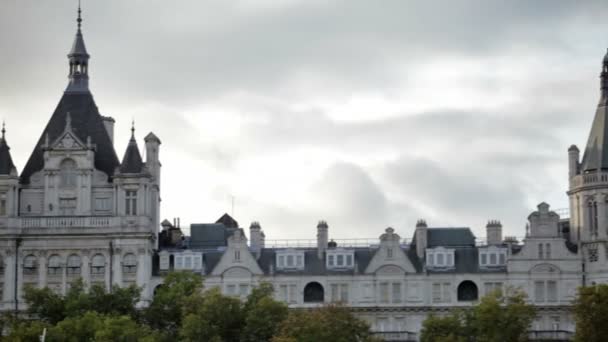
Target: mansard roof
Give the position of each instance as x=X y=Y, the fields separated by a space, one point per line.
x=6 y=162
x=86 y=122
x=131 y=161
x=228 y=221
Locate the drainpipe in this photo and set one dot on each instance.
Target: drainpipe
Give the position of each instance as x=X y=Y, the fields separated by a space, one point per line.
x=111 y=264
x=17 y=245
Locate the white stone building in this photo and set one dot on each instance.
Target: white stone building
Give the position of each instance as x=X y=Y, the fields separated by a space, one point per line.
x=76 y=210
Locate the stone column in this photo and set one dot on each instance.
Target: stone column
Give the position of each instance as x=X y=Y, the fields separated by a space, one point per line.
x=143 y=272
x=117 y=265
x=9 y=277
x=85 y=270
x=585 y=214
x=42 y=269
x=601 y=216
x=64 y=277
x=107 y=274
x=19 y=257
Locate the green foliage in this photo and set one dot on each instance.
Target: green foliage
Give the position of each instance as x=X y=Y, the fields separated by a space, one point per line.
x=262 y=314
x=165 y=312
x=330 y=323
x=498 y=317
x=54 y=308
x=590 y=312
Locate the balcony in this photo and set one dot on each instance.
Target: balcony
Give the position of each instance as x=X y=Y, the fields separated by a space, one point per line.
x=551 y=335
x=67 y=222
x=395 y=336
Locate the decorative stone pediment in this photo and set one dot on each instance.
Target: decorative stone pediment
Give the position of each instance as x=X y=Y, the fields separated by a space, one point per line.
x=68 y=141
x=390 y=255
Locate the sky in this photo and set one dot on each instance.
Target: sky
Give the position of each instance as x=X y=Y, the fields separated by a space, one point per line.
x=366 y=114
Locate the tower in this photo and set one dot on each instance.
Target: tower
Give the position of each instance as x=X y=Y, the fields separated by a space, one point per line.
x=588 y=186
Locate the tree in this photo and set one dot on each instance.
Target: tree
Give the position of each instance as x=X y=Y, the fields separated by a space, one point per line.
x=329 y=323
x=212 y=317
x=498 y=317
x=165 y=312
x=263 y=314
x=590 y=312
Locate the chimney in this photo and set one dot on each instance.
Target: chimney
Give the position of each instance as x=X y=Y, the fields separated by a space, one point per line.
x=322 y=238
x=421 y=238
x=573 y=158
x=494 y=232
x=108 y=122
x=256 y=238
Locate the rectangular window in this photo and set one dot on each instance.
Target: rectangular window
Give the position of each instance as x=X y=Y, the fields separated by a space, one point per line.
x=540 y=250
x=283 y=293
x=431 y=259
x=349 y=260
x=548 y=250
x=502 y=259
x=281 y=261
x=446 y=293
x=179 y=264
x=67 y=206
x=300 y=260
x=102 y=204
x=330 y=260
x=449 y=261
x=188 y=263
x=290 y=261
x=368 y=291
x=2 y=204
x=539 y=291
x=131 y=202
x=243 y=290
x=340 y=259
x=439 y=259
x=436 y=292
x=334 y=293
x=344 y=293
x=396 y=292
x=197 y=262
x=231 y=290
x=484 y=259
x=292 y=294
x=492 y=258
x=552 y=291
x=383 y=292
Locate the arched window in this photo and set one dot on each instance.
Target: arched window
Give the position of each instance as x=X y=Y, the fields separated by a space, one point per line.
x=73 y=264
x=30 y=264
x=129 y=263
x=467 y=291
x=313 y=293
x=98 y=264
x=54 y=265
x=67 y=174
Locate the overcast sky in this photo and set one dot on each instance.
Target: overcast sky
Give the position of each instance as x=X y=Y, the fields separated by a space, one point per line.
x=366 y=114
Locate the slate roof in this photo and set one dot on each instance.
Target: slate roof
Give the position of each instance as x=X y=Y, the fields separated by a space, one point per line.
x=6 y=162
x=228 y=221
x=450 y=237
x=595 y=157
x=312 y=264
x=86 y=121
x=208 y=235
x=132 y=162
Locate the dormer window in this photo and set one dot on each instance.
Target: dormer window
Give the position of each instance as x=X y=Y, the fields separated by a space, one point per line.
x=188 y=261
x=492 y=256
x=67 y=174
x=339 y=259
x=439 y=257
x=290 y=260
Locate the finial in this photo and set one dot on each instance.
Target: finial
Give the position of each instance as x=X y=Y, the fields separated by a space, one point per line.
x=79 y=20
x=132 y=128
x=3 y=129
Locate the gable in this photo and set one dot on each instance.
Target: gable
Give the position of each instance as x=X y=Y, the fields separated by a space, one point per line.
x=385 y=261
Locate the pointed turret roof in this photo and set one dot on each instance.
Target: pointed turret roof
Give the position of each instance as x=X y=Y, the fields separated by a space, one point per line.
x=79 y=62
x=595 y=157
x=132 y=162
x=6 y=162
x=78 y=47
x=85 y=122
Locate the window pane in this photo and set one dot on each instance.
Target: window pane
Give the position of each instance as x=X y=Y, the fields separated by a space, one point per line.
x=340 y=260
x=446 y=292
x=396 y=292
x=436 y=292
x=449 y=261
x=300 y=260
x=344 y=293
x=484 y=258
x=349 y=260
x=290 y=261
x=330 y=260
x=539 y=291
x=493 y=259
x=383 y=292
x=431 y=259
x=503 y=258
x=440 y=259
x=551 y=291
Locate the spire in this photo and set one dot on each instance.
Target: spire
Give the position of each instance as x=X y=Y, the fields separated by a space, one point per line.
x=595 y=157
x=132 y=162
x=78 y=61
x=6 y=162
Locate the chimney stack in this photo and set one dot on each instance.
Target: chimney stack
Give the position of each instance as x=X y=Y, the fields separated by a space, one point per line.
x=322 y=238
x=421 y=238
x=108 y=123
x=494 y=232
x=256 y=238
x=573 y=161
